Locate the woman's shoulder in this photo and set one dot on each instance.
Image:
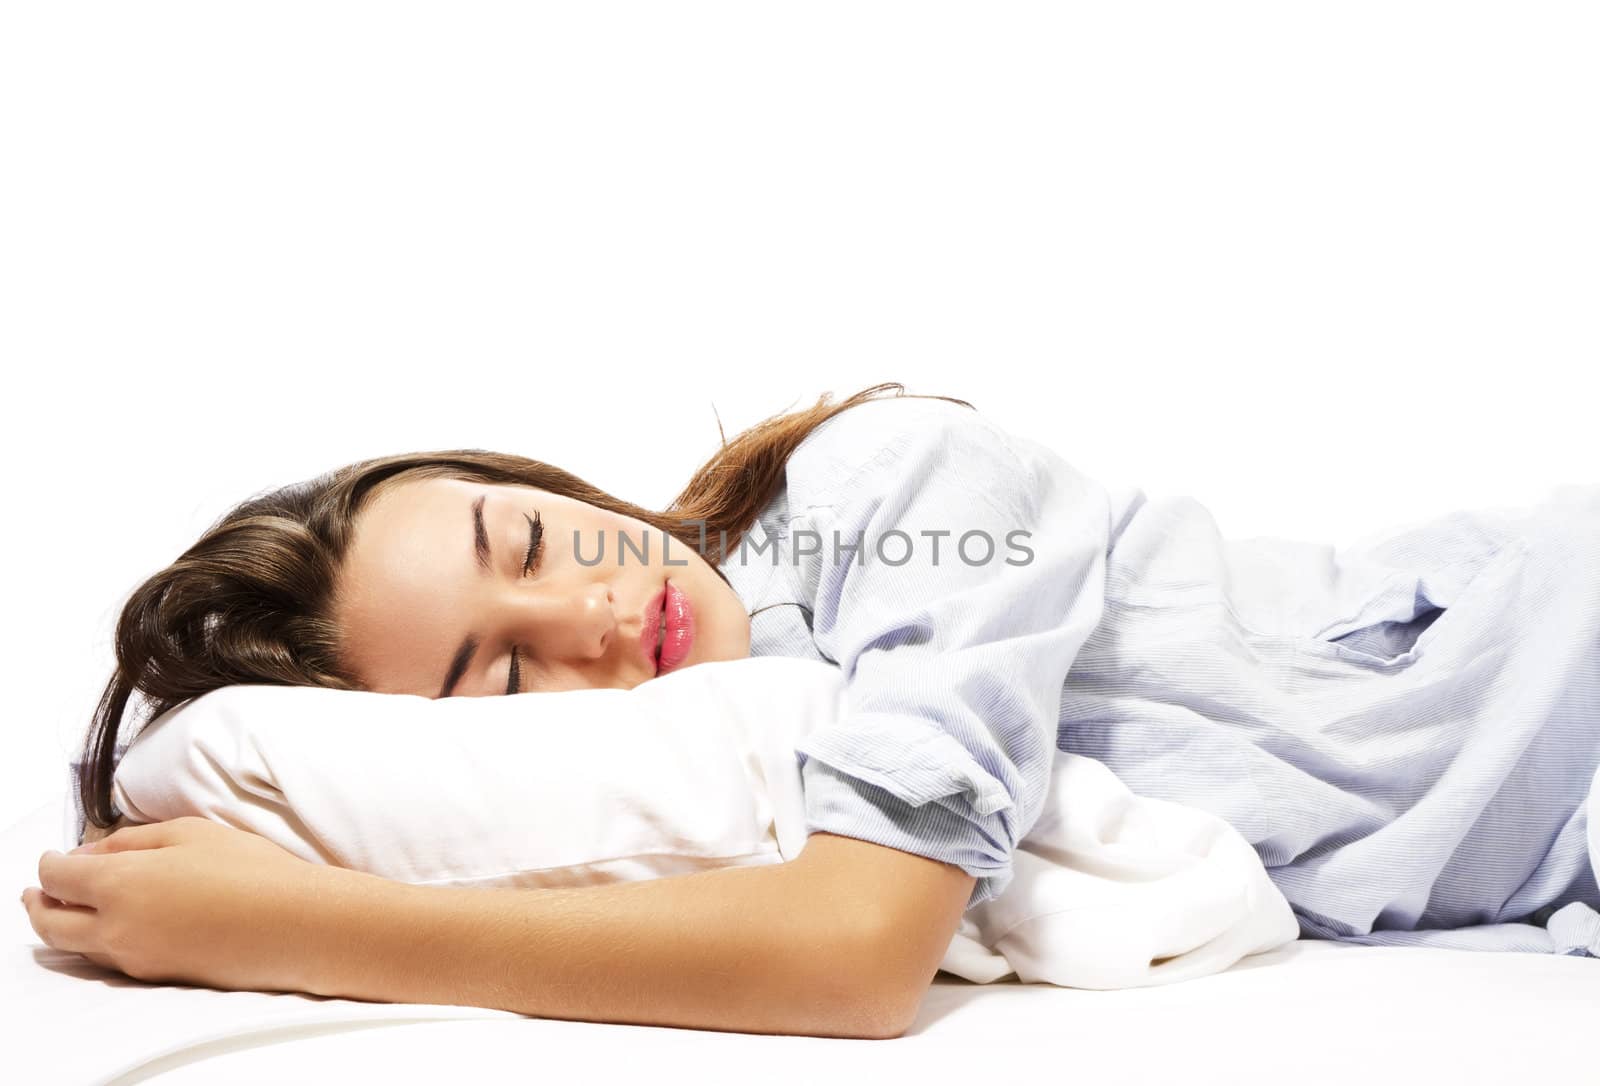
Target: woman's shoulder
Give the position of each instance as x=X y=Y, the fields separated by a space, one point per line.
x=881 y=433
x=890 y=415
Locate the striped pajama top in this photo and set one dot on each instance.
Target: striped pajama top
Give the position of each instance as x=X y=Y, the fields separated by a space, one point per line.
x=1407 y=730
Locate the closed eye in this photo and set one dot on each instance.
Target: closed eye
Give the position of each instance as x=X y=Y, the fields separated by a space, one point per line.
x=530 y=564
x=535 y=542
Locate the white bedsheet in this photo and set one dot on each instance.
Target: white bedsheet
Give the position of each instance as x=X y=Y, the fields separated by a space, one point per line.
x=1308 y=1012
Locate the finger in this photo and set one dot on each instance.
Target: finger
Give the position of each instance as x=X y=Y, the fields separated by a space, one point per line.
x=149 y=835
x=102 y=960
x=75 y=880
x=62 y=926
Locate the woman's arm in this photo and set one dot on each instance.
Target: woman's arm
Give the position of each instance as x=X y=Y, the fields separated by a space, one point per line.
x=793 y=948
x=840 y=942
x=955 y=639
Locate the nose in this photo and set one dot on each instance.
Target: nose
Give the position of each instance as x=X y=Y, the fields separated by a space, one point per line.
x=567 y=624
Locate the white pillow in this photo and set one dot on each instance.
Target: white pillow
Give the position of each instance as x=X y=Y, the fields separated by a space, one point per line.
x=692 y=771
x=573 y=788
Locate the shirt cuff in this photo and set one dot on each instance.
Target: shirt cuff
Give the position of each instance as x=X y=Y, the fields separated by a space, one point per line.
x=841 y=803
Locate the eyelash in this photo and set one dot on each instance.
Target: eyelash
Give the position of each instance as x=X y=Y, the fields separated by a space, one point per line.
x=530 y=564
x=535 y=548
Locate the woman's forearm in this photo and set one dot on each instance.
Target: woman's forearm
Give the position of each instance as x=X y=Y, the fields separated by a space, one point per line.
x=746 y=949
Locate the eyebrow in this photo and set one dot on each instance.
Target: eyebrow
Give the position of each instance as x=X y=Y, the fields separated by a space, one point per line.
x=469 y=644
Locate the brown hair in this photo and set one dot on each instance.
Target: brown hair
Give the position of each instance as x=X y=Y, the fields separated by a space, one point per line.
x=251 y=601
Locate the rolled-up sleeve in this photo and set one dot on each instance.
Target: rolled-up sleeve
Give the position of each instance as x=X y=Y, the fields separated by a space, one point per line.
x=979 y=575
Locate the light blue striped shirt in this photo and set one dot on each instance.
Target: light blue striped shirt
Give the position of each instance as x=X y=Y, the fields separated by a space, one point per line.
x=1405 y=730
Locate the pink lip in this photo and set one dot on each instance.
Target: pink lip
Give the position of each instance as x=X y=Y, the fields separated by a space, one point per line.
x=680 y=629
x=647 y=632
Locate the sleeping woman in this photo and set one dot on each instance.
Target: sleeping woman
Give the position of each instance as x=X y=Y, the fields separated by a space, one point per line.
x=1406 y=731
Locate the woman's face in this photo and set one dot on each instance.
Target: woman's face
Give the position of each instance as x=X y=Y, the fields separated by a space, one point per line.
x=432 y=607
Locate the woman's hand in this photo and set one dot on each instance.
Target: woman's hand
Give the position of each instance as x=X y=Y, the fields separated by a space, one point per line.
x=187 y=901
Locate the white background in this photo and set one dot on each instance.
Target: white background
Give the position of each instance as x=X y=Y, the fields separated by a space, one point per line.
x=1326 y=268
